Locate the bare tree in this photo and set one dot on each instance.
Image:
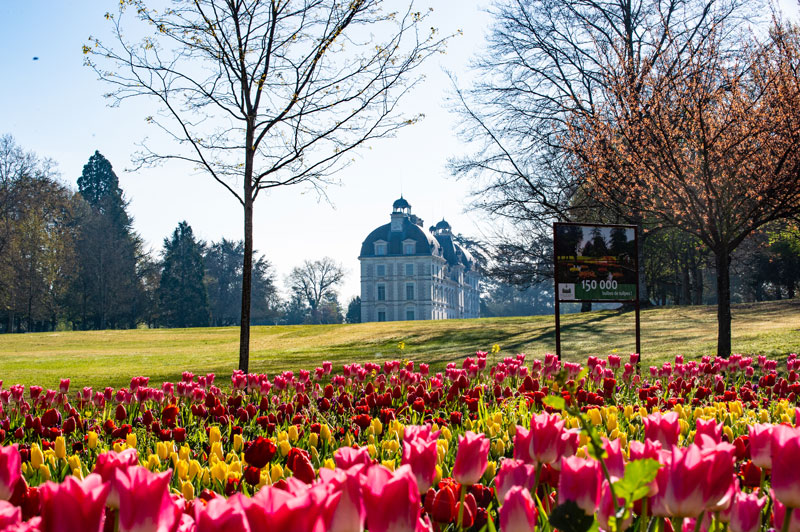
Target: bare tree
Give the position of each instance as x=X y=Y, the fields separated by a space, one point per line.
x=315 y=282
x=260 y=94
x=546 y=62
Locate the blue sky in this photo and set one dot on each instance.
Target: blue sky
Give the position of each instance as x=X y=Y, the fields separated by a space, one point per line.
x=55 y=107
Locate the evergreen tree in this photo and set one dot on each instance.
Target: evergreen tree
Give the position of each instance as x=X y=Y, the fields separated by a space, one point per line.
x=107 y=287
x=354 y=310
x=181 y=294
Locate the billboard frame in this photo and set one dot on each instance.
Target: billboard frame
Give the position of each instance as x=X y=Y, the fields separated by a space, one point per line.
x=558 y=300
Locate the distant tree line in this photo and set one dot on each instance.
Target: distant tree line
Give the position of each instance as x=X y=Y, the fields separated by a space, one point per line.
x=71 y=260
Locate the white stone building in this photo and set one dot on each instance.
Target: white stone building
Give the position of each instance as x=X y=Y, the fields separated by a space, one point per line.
x=412 y=273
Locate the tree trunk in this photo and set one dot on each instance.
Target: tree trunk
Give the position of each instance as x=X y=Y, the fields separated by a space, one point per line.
x=698 y=284
x=723 y=302
x=247 y=273
x=686 y=298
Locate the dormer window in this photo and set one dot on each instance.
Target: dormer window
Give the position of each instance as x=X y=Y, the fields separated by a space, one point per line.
x=409 y=247
x=380 y=248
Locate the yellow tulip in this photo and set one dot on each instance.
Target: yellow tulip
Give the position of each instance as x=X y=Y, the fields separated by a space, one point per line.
x=292 y=433
x=313 y=439
x=594 y=416
x=220 y=472
x=153 y=462
x=61 y=448
x=187 y=490
x=37 y=458
x=74 y=462
x=329 y=463
x=216 y=450
x=388 y=464
x=372 y=451
x=194 y=469
x=238 y=442
x=119 y=447
x=377 y=426
x=284 y=447
x=130 y=440
x=214 y=435
x=185 y=452
x=44 y=472
x=162 y=452
x=276 y=473
x=92 y=440
x=182 y=469
x=325 y=433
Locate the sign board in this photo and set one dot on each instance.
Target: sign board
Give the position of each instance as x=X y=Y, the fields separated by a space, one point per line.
x=595 y=262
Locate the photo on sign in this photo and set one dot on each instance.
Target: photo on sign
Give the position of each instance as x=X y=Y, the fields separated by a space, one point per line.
x=595 y=262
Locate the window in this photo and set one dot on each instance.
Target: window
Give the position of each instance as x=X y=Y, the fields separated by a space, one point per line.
x=380 y=248
x=381 y=315
x=410 y=314
x=381 y=270
x=409 y=291
x=381 y=292
x=409 y=270
x=409 y=248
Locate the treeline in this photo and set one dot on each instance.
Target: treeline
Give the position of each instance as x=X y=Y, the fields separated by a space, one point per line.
x=71 y=260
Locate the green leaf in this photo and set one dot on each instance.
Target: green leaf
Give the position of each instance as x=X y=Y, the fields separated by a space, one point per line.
x=638 y=475
x=554 y=401
x=569 y=517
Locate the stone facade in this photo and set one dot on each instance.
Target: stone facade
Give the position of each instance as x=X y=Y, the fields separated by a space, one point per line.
x=412 y=273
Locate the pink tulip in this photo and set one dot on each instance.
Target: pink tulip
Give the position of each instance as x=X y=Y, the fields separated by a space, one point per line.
x=522 y=445
x=687 y=474
x=518 y=513
x=10 y=515
x=663 y=428
x=344 y=505
x=580 y=482
x=546 y=430
x=472 y=458
x=392 y=500
x=512 y=474
x=10 y=473
x=745 y=515
x=74 y=505
x=220 y=515
x=421 y=455
x=424 y=432
x=779 y=514
x=719 y=486
x=785 y=457
x=63 y=386
x=107 y=464
x=346 y=457
x=616 y=458
x=145 y=503
x=761 y=444
x=605 y=510
x=709 y=428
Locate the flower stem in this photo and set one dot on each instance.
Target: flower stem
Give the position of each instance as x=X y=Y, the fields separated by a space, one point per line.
x=461 y=505
x=787 y=517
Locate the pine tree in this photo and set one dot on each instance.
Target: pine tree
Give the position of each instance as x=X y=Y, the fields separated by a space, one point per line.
x=182 y=295
x=107 y=286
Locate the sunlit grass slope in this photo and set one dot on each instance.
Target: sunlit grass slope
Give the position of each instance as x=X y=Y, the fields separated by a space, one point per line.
x=111 y=358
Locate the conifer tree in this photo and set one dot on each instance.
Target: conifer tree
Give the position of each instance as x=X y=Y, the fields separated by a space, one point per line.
x=182 y=295
x=107 y=283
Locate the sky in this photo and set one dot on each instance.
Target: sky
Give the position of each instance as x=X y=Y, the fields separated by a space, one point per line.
x=55 y=107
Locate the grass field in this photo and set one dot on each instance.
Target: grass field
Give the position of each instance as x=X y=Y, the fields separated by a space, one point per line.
x=111 y=358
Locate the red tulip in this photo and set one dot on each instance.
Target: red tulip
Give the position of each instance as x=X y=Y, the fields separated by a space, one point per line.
x=74 y=505
x=441 y=505
x=10 y=463
x=260 y=452
x=472 y=458
x=580 y=482
x=518 y=513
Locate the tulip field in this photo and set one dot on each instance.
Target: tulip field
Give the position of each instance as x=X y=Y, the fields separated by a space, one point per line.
x=520 y=445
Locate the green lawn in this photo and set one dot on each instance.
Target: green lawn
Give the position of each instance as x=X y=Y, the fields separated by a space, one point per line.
x=103 y=358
